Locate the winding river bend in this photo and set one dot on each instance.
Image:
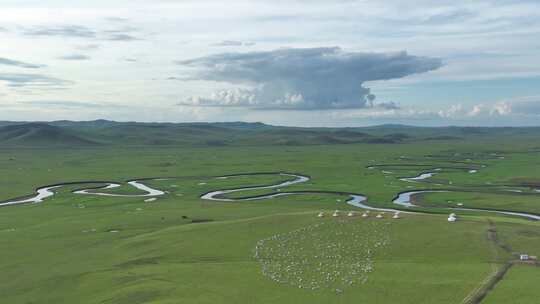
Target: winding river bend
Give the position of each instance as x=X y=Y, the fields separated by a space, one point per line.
x=403 y=199
x=356 y=200
x=48 y=191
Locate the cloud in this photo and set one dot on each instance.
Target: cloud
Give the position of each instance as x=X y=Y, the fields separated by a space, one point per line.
x=522 y=106
x=16 y=80
x=229 y=43
x=458 y=110
x=20 y=64
x=88 y=47
x=78 y=31
x=233 y=43
x=116 y=19
x=61 y=31
x=121 y=37
x=525 y=105
x=232 y=98
x=245 y=98
x=501 y=108
x=75 y=57
x=302 y=79
x=516 y=111
x=389 y=105
x=121 y=34
x=68 y=104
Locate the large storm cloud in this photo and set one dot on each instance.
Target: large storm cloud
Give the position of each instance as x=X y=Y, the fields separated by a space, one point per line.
x=309 y=78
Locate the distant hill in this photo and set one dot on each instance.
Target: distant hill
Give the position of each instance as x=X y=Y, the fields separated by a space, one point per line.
x=93 y=124
x=40 y=134
x=111 y=133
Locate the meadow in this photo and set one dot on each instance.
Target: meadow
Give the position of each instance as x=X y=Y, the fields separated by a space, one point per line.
x=181 y=249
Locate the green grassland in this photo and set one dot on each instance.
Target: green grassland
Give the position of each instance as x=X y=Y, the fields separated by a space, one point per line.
x=501 y=200
x=519 y=283
x=181 y=249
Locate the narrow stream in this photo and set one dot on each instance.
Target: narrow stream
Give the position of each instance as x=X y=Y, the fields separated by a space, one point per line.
x=418 y=178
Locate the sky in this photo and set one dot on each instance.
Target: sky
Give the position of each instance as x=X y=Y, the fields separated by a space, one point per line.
x=296 y=62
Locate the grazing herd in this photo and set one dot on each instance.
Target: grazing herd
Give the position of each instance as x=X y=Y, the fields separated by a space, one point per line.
x=331 y=254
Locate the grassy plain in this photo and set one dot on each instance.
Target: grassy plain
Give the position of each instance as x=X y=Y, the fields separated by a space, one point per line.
x=180 y=249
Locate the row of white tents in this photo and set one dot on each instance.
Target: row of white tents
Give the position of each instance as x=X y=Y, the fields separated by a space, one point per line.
x=451 y=218
x=365 y=214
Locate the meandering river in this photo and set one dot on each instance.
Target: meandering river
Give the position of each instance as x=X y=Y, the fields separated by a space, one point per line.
x=402 y=200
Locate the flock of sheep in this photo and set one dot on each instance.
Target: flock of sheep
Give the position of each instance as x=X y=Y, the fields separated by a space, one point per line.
x=333 y=254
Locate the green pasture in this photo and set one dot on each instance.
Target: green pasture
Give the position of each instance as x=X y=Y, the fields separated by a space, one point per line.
x=181 y=249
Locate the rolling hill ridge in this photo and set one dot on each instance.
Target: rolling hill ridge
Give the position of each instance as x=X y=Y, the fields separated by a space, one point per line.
x=111 y=133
